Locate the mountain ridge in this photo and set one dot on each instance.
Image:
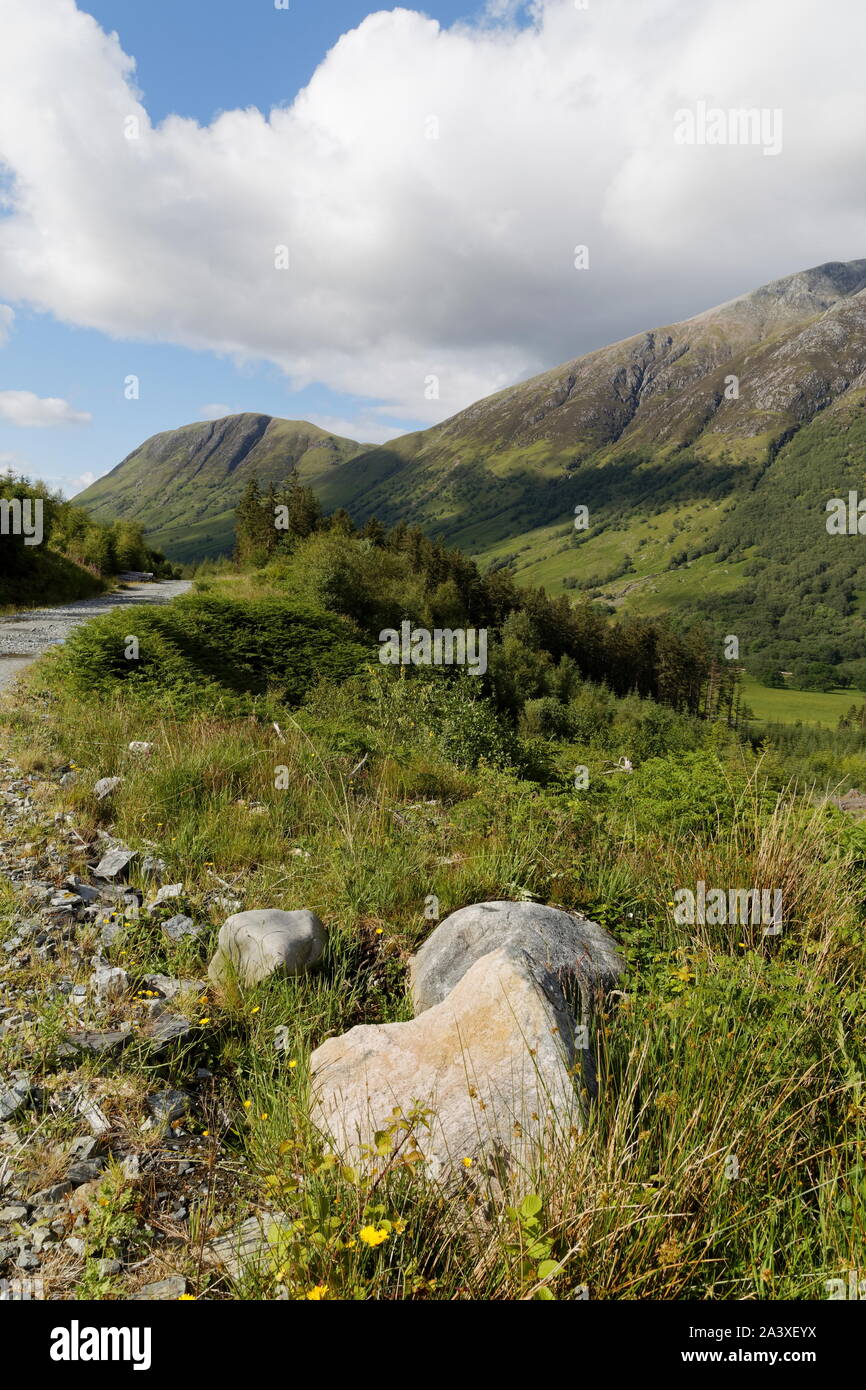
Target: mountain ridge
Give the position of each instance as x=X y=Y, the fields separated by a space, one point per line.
x=671 y=437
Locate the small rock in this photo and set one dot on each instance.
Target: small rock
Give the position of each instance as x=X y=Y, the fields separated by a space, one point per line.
x=84 y=891
x=66 y=900
x=13 y=1213
x=176 y=928
x=169 y=987
x=76 y=1245
x=165 y=894
x=84 y=1148
x=255 y=1244
x=173 y=1287
x=167 y=1030
x=112 y=930
x=105 y=786
x=106 y=1269
x=14 y=1098
x=138 y=746
x=152 y=867
x=50 y=1195
x=99 y=1044
x=114 y=863
x=166 y=1106
x=91 y=1113
x=86 y=1171
x=108 y=983
x=260 y=943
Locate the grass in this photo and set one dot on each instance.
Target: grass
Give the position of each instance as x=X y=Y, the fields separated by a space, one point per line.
x=726 y=1155
x=793 y=706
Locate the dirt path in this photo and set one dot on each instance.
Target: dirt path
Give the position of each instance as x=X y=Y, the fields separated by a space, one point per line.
x=25 y=636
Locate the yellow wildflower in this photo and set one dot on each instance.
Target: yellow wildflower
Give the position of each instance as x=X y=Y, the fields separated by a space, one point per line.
x=373 y=1235
x=317 y=1292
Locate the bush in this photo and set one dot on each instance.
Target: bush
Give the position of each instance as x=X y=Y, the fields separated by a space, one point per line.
x=203 y=650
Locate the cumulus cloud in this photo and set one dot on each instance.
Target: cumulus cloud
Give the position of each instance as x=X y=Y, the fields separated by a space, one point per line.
x=29 y=411
x=7 y=318
x=414 y=213
x=215 y=412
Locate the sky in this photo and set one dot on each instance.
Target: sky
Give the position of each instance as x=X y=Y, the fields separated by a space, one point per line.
x=371 y=218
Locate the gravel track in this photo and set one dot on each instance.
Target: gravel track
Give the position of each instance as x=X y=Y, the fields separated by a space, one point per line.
x=25 y=636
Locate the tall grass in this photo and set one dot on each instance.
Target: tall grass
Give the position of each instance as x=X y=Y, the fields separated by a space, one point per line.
x=724 y=1156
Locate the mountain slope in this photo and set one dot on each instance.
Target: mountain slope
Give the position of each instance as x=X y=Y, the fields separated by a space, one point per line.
x=183 y=485
x=517 y=458
x=705 y=451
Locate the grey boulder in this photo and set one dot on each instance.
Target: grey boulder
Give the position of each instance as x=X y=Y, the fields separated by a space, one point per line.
x=254 y=945
x=578 y=953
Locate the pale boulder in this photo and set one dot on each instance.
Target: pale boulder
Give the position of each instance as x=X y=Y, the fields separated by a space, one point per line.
x=494 y=1062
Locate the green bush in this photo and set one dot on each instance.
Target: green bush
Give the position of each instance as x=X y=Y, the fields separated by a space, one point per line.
x=204 y=650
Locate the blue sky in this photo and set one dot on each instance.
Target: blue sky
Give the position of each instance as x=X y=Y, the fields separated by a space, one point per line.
x=430 y=185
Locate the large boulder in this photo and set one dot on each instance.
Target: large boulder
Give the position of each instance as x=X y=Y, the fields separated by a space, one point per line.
x=494 y=1063
x=254 y=945
x=579 y=953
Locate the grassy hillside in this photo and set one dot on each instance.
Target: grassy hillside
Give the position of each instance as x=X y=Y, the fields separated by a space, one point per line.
x=401 y=785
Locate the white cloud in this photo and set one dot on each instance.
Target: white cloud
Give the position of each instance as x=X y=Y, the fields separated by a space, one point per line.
x=413 y=257
x=7 y=318
x=29 y=411
x=215 y=412
x=366 y=427
x=79 y=484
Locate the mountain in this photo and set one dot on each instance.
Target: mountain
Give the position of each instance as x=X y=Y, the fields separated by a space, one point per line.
x=183 y=485
x=705 y=452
